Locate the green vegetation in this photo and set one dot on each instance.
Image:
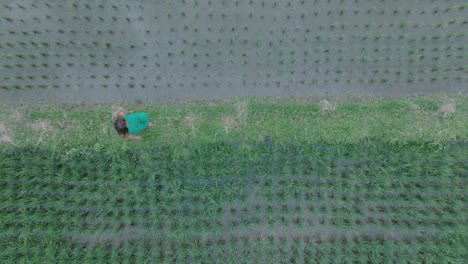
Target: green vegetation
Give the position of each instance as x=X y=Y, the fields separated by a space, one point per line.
x=280 y=181
x=309 y=180
x=433 y=120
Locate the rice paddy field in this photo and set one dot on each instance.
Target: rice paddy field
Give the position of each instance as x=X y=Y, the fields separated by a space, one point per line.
x=324 y=132
x=359 y=203
x=106 y=51
x=331 y=195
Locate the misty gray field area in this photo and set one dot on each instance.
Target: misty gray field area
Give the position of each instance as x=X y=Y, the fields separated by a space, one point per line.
x=284 y=131
x=132 y=51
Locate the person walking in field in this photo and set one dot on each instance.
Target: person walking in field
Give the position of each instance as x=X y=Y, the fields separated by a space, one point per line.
x=129 y=124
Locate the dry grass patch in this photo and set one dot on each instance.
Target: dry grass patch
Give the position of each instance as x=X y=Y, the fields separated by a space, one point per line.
x=115 y=111
x=240 y=118
x=447 y=110
x=5 y=136
x=229 y=123
x=9 y=125
x=42 y=126
x=241 y=109
x=326 y=106
x=191 y=121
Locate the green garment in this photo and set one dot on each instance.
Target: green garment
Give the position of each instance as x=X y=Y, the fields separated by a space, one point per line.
x=137 y=122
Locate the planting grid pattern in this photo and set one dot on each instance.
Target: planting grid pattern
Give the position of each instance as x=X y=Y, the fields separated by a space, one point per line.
x=155 y=50
x=365 y=203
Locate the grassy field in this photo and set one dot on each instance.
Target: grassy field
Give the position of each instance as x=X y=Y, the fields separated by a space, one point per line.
x=334 y=120
x=335 y=180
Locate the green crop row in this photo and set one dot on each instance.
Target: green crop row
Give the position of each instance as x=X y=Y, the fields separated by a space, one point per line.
x=267 y=84
x=329 y=38
x=341 y=11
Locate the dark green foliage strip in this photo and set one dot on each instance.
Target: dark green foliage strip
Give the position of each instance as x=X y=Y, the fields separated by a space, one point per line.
x=145 y=50
x=371 y=201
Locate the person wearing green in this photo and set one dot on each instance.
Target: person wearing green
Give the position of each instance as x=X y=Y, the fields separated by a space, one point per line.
x=129 y=124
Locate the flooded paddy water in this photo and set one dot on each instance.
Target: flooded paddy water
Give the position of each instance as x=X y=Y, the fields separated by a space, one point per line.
x=136 y=51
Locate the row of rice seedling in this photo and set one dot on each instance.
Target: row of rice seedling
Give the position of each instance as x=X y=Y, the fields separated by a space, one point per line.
x=228 y=83
x=90 y=6
x=409 y=78
x=111 y=43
